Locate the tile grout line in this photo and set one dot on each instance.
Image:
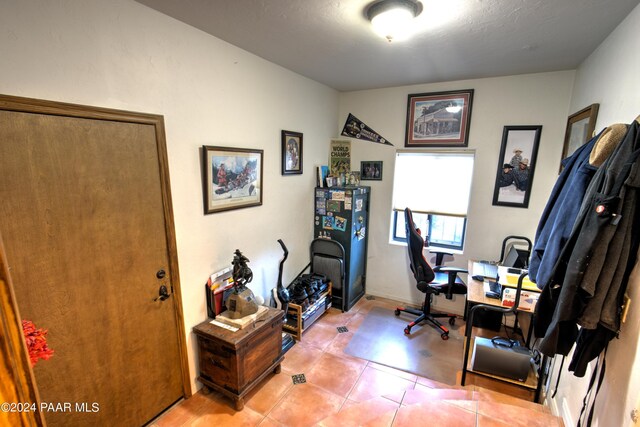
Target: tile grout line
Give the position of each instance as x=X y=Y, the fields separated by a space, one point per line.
x=279 y=400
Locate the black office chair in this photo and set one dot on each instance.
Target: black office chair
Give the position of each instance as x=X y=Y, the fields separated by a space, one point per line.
x=431 y=281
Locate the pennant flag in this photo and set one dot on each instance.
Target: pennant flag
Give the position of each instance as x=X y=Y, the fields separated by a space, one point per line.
x=354 y=128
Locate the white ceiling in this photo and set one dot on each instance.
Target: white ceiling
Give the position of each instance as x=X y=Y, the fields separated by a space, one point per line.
x=330 y=41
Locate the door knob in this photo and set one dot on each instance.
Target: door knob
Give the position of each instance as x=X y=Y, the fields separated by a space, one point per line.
x=163 y=293
x=161 y=274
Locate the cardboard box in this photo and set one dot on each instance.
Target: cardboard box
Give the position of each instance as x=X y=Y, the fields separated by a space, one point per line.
x=528 y=299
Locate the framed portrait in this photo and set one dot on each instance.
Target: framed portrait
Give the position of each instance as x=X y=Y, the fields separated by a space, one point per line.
x=580 y=127
x=371 y=170
x=353 y=178
x=291 y=153
x=516 y=164
x=232 y=178
x=439 y=119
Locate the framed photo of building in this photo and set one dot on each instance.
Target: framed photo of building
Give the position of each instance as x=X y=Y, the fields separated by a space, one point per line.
x=516 y=165
x=232 y=178
x=439 y=119
x=291 y=153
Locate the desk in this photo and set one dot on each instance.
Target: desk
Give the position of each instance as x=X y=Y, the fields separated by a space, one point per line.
x=530 y=388
x=476 y=295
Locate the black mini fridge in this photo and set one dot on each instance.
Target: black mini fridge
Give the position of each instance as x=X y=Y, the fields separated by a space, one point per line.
x=342 y=215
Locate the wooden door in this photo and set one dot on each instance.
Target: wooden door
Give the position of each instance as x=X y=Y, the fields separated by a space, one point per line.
x=16 y=377
x=86 y=219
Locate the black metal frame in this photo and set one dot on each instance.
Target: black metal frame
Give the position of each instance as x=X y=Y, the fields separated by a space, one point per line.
x=514 y=309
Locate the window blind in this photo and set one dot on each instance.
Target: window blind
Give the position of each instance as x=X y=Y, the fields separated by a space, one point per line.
x=433 y=182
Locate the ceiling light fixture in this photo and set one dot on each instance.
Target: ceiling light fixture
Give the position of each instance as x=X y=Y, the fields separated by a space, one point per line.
x=391 y=19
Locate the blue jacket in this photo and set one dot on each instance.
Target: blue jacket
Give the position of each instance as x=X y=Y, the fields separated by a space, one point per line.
x=560 y=213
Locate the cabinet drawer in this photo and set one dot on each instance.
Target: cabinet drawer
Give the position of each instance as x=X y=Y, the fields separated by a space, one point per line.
x=218 y=363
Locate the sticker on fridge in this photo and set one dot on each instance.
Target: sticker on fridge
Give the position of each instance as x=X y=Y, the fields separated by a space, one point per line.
x=327 y=222
x=340 y=223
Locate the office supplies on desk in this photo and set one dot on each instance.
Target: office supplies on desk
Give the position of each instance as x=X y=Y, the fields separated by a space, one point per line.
x=528 y=299
x=485 y=269
x=492 y=289
x=509 y=277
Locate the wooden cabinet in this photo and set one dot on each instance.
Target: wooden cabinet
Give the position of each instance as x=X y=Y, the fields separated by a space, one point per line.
x=235 y=362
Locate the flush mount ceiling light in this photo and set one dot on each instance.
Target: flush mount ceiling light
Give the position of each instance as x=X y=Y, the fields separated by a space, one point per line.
x=391 y=19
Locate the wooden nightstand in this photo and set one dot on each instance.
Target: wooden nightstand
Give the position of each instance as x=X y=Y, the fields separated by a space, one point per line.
x=235 y=362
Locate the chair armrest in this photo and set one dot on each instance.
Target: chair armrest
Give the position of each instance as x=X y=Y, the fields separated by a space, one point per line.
x=452 y=272
x=445 y=269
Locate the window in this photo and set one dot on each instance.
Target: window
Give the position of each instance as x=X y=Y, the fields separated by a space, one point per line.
x=443 y=231
x=436 y=186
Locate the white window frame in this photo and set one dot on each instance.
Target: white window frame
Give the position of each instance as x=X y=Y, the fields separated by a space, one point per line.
x=426 y=166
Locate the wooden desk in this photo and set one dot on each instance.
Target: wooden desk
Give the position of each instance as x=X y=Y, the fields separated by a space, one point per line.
x=530 y=389
x=476 y=295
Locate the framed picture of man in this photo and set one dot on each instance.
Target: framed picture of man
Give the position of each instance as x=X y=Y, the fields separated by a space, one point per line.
x=516 y=165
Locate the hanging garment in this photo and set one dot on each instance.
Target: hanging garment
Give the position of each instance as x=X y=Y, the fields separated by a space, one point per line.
x=588 y=280
x=560 y=212
x=566 y=197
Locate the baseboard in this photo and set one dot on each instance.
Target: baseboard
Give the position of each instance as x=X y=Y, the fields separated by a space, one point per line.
x=566 y=414
x=436 y=307
x=392 y=298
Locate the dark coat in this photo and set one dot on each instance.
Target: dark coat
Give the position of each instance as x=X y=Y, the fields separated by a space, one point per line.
x=590 y=277
x=560 y=213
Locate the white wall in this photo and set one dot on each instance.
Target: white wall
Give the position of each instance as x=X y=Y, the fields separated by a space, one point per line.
x=610 y=76
x=534 y=99
x=120 y=54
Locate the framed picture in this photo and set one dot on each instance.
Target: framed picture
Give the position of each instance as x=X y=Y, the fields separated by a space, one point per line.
x=439 y=119
x=580 y=127
x=232 y=178
x=371 y=170
x=291 y=153
x=353 y=178
x=516 y=164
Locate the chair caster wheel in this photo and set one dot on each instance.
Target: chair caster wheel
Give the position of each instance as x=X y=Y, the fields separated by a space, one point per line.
x=397 y=312
x=407 y=330
x=452 y=321
x=445 y=336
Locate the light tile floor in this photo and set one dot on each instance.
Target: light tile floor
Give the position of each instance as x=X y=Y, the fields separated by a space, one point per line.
x=342 y=390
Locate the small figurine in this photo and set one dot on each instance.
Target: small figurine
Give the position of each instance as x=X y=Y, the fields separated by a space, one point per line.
x=242 y=274
x=241 y=302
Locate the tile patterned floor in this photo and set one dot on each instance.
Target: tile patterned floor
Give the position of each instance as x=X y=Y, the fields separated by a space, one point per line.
x=342 y=390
